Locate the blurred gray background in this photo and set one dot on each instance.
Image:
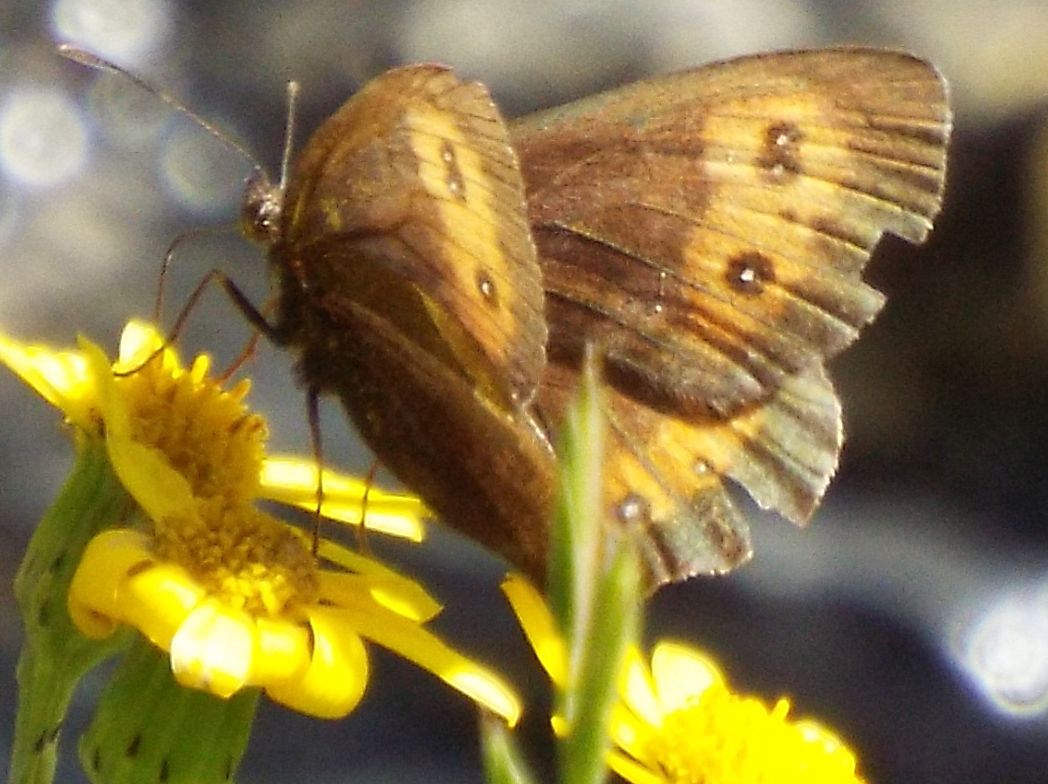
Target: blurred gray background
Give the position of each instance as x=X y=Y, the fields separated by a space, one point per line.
x=912 y=615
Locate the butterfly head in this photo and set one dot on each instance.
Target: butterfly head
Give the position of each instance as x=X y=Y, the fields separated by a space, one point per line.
x=260 y=208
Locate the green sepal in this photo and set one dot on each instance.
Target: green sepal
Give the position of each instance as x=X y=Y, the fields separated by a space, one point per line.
x=55 y=656
x=148 y=728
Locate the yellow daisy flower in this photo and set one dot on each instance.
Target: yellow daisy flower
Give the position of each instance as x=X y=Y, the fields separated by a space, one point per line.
x=235 y=595
x=678 y=722
x=165 y=415
x=238 y=600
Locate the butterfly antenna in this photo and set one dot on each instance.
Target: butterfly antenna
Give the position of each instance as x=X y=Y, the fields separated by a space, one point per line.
x=289 y=132
x=92 y=60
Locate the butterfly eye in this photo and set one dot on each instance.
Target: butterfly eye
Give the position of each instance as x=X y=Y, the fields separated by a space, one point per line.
x=260 y=209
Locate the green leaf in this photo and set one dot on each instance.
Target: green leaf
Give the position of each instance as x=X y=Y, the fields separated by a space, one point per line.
x=55 y=656
x=615 y=625
x=148 y=728
x=594 y=590
x=578 y=530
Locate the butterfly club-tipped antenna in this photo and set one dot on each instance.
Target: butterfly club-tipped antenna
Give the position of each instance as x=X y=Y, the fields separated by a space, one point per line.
x=92 y=60
x=263 y=201
x=257 y=175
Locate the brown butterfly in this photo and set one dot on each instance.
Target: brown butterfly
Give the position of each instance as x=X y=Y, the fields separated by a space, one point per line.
x=706 y=231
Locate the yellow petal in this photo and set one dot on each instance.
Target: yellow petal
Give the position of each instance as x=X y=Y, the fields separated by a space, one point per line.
x=59 y=377
x=632 y=771
x=637 y=689
x=410 y=641
x=539 y=626
x=148 y=476
x=138 y=342
x=373 y=581
x=212 y=649
x=681 y=673
x=94 y=600
x=631 y=733
x=293 y=481
x=282 y=650
x=334 y=682
x=157 y=601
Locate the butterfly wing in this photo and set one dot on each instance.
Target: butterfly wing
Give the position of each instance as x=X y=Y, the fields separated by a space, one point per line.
x=415 y=180
x=487 y=471
x=707 y=230
x=665 y=474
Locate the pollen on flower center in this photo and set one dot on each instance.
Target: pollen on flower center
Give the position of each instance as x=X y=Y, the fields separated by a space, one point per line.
x=206 y=432
x=249 y=559
x=722 y=737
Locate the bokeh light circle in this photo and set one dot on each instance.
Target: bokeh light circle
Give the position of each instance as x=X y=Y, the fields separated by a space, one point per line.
x=200 y=173
x=43 y=138
x=122 y=30
x=1003 y=650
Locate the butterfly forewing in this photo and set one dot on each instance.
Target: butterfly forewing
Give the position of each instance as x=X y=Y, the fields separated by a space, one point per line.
x=414 y=180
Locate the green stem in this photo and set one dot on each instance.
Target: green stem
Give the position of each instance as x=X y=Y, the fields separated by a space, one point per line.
x=55 y=655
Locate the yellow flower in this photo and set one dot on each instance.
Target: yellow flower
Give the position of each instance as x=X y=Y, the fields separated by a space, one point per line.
x=238 y=600
x=677 y=721
x=162 y=416
x=235 y=595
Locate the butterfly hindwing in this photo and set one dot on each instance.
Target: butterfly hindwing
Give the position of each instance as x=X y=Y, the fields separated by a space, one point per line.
x=708 y=228
x=666 y=475
x=707 y=232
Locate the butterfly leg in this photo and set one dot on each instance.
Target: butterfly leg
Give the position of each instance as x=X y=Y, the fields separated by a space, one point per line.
x=239 y=298
x=362 y=531
x=247 y=308
x=313 y=414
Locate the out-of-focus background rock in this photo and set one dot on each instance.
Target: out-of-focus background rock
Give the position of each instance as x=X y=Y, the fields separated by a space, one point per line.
x=912 y=615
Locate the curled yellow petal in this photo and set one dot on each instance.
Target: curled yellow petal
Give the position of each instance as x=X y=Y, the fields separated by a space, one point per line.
x=157 y=600
x=282 y=650
x=94 y=600
x=213 y=648
x=148 y=476
x=334 y=681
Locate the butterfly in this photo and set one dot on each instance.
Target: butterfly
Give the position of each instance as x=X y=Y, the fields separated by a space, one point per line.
x=442 y=271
